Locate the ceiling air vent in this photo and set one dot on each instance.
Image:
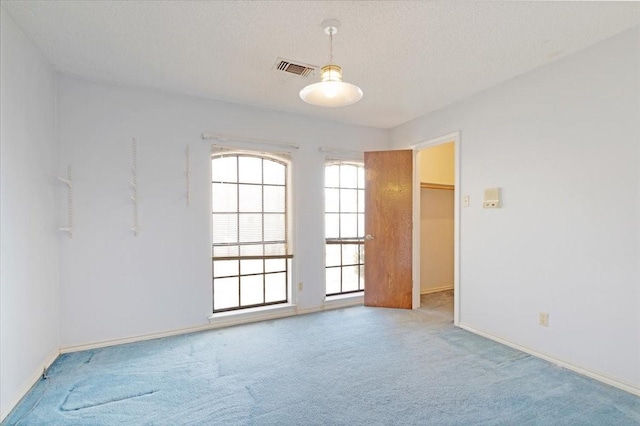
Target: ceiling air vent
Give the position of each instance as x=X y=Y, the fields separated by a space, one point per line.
x=297 y=68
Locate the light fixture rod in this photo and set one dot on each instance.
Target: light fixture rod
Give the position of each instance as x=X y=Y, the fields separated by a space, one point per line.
x=330 y=27
x=331 y=47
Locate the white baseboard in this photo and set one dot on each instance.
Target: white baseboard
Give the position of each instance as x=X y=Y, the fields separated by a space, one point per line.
x=436 y=289
x=132 y=339
x=620 y=384
x=217 y=321
x=26 y=387
x=223 y=320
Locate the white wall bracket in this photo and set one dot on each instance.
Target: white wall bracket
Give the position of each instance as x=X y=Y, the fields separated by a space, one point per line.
x=134 y=184
x=69 y=183
x=188 y=176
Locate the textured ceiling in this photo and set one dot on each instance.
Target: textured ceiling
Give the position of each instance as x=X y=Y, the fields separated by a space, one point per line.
x=409 y=57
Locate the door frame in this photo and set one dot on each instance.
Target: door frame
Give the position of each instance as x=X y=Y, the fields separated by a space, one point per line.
x=455 y=138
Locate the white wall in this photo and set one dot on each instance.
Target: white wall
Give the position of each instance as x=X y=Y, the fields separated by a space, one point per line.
x=29 y=313
x=436 y=239
x=562 y=141
x=114 y=285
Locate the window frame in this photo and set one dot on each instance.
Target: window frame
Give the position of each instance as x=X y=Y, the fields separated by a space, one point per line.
x=287 y=256
x=358 y=240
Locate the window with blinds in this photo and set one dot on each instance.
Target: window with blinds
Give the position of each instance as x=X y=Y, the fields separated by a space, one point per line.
x=251 y=261
x=344 y=227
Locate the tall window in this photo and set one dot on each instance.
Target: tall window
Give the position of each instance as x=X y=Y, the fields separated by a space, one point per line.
x=251 y=261
x=344 y=227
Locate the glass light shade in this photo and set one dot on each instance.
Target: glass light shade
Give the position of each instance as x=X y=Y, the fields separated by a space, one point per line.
x=331 y=91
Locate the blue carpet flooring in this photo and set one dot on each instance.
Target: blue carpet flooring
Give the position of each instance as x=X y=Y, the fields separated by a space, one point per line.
x=354 y=366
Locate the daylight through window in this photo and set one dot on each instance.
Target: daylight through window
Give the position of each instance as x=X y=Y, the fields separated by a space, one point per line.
x=344 y=228
x=251 y=261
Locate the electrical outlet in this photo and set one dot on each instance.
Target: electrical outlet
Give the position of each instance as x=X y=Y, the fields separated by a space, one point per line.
x=543 y=319
x=300 y=286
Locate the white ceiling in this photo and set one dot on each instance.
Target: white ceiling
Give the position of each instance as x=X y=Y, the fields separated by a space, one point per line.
x=409 y=57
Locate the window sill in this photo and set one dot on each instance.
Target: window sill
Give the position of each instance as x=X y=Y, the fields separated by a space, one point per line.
x=244 y=316
x=265 y=313
x=344 y=300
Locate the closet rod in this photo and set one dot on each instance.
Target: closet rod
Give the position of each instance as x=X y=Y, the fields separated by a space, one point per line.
x=224 y=138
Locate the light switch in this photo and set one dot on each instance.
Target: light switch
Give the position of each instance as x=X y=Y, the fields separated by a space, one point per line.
x=465 y=201
x=491 y=198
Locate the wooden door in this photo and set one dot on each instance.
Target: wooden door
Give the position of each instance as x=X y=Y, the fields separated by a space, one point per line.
x=388 y=229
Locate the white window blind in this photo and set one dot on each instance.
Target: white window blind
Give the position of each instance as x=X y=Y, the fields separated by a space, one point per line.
x=249 y=203
x=251 y=251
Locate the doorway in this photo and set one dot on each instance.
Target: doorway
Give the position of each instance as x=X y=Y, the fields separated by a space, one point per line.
x=436 y=215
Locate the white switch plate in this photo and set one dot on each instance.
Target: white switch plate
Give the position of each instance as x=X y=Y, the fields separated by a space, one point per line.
x=465 y=201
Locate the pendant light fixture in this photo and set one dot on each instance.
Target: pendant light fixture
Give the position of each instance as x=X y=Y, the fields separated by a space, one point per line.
x=331 y=91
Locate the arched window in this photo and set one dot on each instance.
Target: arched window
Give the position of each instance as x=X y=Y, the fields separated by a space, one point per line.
x=251 y=258
x=344 y=227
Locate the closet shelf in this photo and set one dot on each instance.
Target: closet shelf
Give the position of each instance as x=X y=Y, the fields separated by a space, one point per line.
x=428 y=185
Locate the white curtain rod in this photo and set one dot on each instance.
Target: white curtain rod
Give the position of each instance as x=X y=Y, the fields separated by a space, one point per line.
x=224 y=138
